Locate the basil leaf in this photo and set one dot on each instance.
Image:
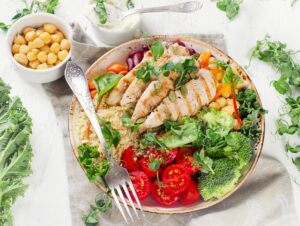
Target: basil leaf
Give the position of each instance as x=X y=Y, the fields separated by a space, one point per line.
x=111 y=135
x=157 y=49
x=105 y=82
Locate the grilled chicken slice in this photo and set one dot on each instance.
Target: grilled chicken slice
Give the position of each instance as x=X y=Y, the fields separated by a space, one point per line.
x=137 y=87
x=117 y=93
x=201 y=91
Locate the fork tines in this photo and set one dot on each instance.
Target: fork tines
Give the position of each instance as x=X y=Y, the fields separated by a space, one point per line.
x=117 y=191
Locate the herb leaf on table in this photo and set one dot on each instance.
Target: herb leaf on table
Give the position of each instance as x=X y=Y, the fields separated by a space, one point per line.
x=231 y=7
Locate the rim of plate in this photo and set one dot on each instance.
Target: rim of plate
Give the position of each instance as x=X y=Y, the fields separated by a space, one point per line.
x=201 y=205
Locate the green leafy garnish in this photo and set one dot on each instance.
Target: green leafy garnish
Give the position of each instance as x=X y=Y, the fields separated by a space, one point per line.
x=89 y=160
x=296 y=162
x=230 y=77
x=15 y=151
x=130 y=4
x=157 y=49
x=111 y=135
x=101 y=10
x=105 y=82
x=100 y=206
x=145 y=72
x=204 y=161
x=150 y=139
x=185 y=71
x=231 y=7
x=154 y=163
x=126 y=121
x=292 y=149
x=47 y=6
x=167 y=68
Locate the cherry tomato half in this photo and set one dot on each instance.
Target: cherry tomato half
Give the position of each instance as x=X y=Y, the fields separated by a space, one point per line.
x=191 y=195
x=185 y=158
x=141 y=183
x=129 y=160
x=176 y=178
x=162 y=195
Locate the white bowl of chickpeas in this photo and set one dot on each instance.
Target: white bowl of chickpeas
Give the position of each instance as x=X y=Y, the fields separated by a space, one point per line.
x=39 y=47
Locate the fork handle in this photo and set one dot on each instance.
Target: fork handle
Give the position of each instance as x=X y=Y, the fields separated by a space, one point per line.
x=180 y=7
x=75 y=77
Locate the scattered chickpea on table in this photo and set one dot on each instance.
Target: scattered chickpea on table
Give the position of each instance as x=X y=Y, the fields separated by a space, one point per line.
x=40 y=48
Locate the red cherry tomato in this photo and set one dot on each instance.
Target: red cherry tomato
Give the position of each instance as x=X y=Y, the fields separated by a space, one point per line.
x=176 y=178
x=185 y=158
x=129 y=160
x=141 y=183
x=162 y=195
x=168 y=156
x=191 y=195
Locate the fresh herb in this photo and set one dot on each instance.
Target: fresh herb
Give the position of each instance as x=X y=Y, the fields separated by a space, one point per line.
x=296 y=162
x=230 y=77
x=157 y=49
x=185 y=71
x=126 y=121
x=101 y=10
x=105 y=82
x=111 y=135
x=145 y=72
x=15 y=151
x=167 y=68
x=130 y=4
x=231 y=7
x=89 y=160
x=292 y=149
x=282 y=59
x=154 y=163
x=205 y=162
x=47 y=6
x=150 y=139
x=100 y=206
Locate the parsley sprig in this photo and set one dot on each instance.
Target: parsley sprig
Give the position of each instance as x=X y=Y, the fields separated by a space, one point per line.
x=35 y=6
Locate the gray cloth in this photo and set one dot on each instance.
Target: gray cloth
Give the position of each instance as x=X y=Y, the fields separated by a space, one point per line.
x=265 y=199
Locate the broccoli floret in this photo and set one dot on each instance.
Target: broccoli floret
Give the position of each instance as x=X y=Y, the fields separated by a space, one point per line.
x=223 y=180
x=243 y=146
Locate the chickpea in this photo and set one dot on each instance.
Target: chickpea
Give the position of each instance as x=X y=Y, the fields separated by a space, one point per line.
x=214 y=105
x=31 y=45
x=50 y=28
x=60 y=34
x=34 y=64
x=55 y=47
x=57 y=62
x=27 y=29
x=229 y=109
x=38 y=43
x=65 y=44
x=42 y=57
x=56 y=38
x=21 y=58
x=32 y=56
x=236 y=124
x=39 y=32
x=46 y=37
x=219 y=76
x=24 y=49
x=221 y=101
x=46 y=49
x=51 y=58
x=30 y=36
x=229 y=102
x=19 y=39
x=42 y=66
x=212 y=66
x=62 y=54
x=15 y=48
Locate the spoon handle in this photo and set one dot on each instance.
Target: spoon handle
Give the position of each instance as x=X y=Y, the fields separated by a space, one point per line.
x=184 y=7
x=75 y=78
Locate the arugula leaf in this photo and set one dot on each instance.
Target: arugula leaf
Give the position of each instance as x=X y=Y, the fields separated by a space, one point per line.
x=157 y=49
x=100 y=206
x=89 y=160
x=101 y=10
x=111 y=135
x=15 y=151
x=231 y=7
x=105 y=82
x=205 y=162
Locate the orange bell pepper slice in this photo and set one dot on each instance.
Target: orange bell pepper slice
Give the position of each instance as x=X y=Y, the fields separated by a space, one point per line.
x=117 y=68
x=224 y=90
x=203 y=58
x=93 y=93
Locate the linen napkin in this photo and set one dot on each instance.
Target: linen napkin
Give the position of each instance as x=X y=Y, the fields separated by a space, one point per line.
x=265 y=199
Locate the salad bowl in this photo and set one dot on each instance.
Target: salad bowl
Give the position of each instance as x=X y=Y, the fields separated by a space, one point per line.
x=120 y=54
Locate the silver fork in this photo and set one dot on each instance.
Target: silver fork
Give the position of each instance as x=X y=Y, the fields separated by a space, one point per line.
x=117 y=177
x=184 y=7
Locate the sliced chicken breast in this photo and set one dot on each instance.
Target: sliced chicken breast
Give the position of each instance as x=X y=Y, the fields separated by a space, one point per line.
x=117 y=93
x=137 y=87
x=201 y=91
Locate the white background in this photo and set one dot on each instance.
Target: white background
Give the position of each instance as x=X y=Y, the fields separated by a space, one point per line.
x=46 y=200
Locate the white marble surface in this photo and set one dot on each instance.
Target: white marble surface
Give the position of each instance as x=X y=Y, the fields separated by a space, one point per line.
x=46 y=200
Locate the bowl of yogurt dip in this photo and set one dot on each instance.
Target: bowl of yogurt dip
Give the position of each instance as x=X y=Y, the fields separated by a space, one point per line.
x=106 y=22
